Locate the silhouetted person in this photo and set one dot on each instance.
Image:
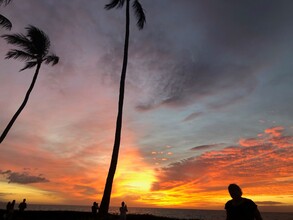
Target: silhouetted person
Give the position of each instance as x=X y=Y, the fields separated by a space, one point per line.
x=9 y=210
x=240 y=208
x=12 y=206
x=8 y=206
x=22 y=205
x=123 y=210
x=95 y=208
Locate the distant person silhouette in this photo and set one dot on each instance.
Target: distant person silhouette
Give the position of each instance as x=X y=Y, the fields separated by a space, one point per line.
x=95 y=208
x=123 y=210
x=9 y=210
x=8 y=207
x=12 y=206
x=239 y=208
x=22 y=205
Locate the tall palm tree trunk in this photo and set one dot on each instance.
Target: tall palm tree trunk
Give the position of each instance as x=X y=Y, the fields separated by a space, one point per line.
x=23 y=103
x=104 y=207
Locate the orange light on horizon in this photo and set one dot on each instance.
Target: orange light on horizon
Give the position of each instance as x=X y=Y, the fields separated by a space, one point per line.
x=32 y=194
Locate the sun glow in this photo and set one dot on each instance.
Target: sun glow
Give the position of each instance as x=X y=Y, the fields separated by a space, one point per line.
x=134 y=176
x=138 y=182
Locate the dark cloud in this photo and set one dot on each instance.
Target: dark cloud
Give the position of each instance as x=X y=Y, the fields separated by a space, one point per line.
x=85 y=190
x=238 y=40
x=193 y=116
x=207 y=147
x=22 y=178
x=269 y=203
x=178 y=81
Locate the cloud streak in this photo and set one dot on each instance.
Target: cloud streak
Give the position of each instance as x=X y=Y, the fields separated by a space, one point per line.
x=23 y=178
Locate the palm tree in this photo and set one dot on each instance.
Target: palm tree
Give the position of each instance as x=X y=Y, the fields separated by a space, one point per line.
x=35 y=48
x=139 y=12
x=4 y=22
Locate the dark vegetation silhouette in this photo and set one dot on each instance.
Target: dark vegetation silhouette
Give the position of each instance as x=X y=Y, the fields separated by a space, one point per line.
x=35 y=50
x=4 y=22
x=139 y=13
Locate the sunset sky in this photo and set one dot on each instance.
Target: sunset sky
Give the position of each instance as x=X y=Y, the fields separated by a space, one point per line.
x=208 y=102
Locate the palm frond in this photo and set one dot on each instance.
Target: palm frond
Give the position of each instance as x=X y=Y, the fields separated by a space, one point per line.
x=19 y=54
x=29 y=65
x=39 y=40
x=139 y=13
x=35 y=47
x=5 y=2
x=5 y=23
x=52 y=59
x=17 y=39
x=115 y=3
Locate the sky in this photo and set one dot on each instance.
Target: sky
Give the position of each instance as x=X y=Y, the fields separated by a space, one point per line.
x=208 y=102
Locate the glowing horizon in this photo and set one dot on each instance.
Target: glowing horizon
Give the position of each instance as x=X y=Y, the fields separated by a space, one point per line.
x=201 y=181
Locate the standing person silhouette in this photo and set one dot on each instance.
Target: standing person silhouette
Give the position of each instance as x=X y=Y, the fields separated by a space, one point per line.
x=9 y=210
x=8 y=207
x=95 y=208
x=239 y=208
x=123 y=210
x=22 y=205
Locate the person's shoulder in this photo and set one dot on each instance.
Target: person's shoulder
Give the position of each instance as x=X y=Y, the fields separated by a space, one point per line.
x=228 y=204
x=249 y=202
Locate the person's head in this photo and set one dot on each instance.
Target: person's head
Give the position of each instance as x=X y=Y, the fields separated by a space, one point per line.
x=122 y=203
x=235 y=191
x=24 y=200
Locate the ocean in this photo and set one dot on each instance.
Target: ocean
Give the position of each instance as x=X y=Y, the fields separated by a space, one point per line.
x=165 y=212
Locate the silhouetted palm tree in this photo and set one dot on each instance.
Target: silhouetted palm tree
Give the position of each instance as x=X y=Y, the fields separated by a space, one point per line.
x=4 y=22
x=35 y=48
x=139 y=12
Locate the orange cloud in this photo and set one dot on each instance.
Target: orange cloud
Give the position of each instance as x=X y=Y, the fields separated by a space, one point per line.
x=274 y=131
x=262 y=165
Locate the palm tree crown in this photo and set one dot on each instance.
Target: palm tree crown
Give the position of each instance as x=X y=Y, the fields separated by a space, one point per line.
x=139 y=12
x=4 y=22
x=35 y=47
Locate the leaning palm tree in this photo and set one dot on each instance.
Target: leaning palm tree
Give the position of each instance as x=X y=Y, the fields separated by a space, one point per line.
x=139 y=12
x=35 y=48
x=4 y=22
